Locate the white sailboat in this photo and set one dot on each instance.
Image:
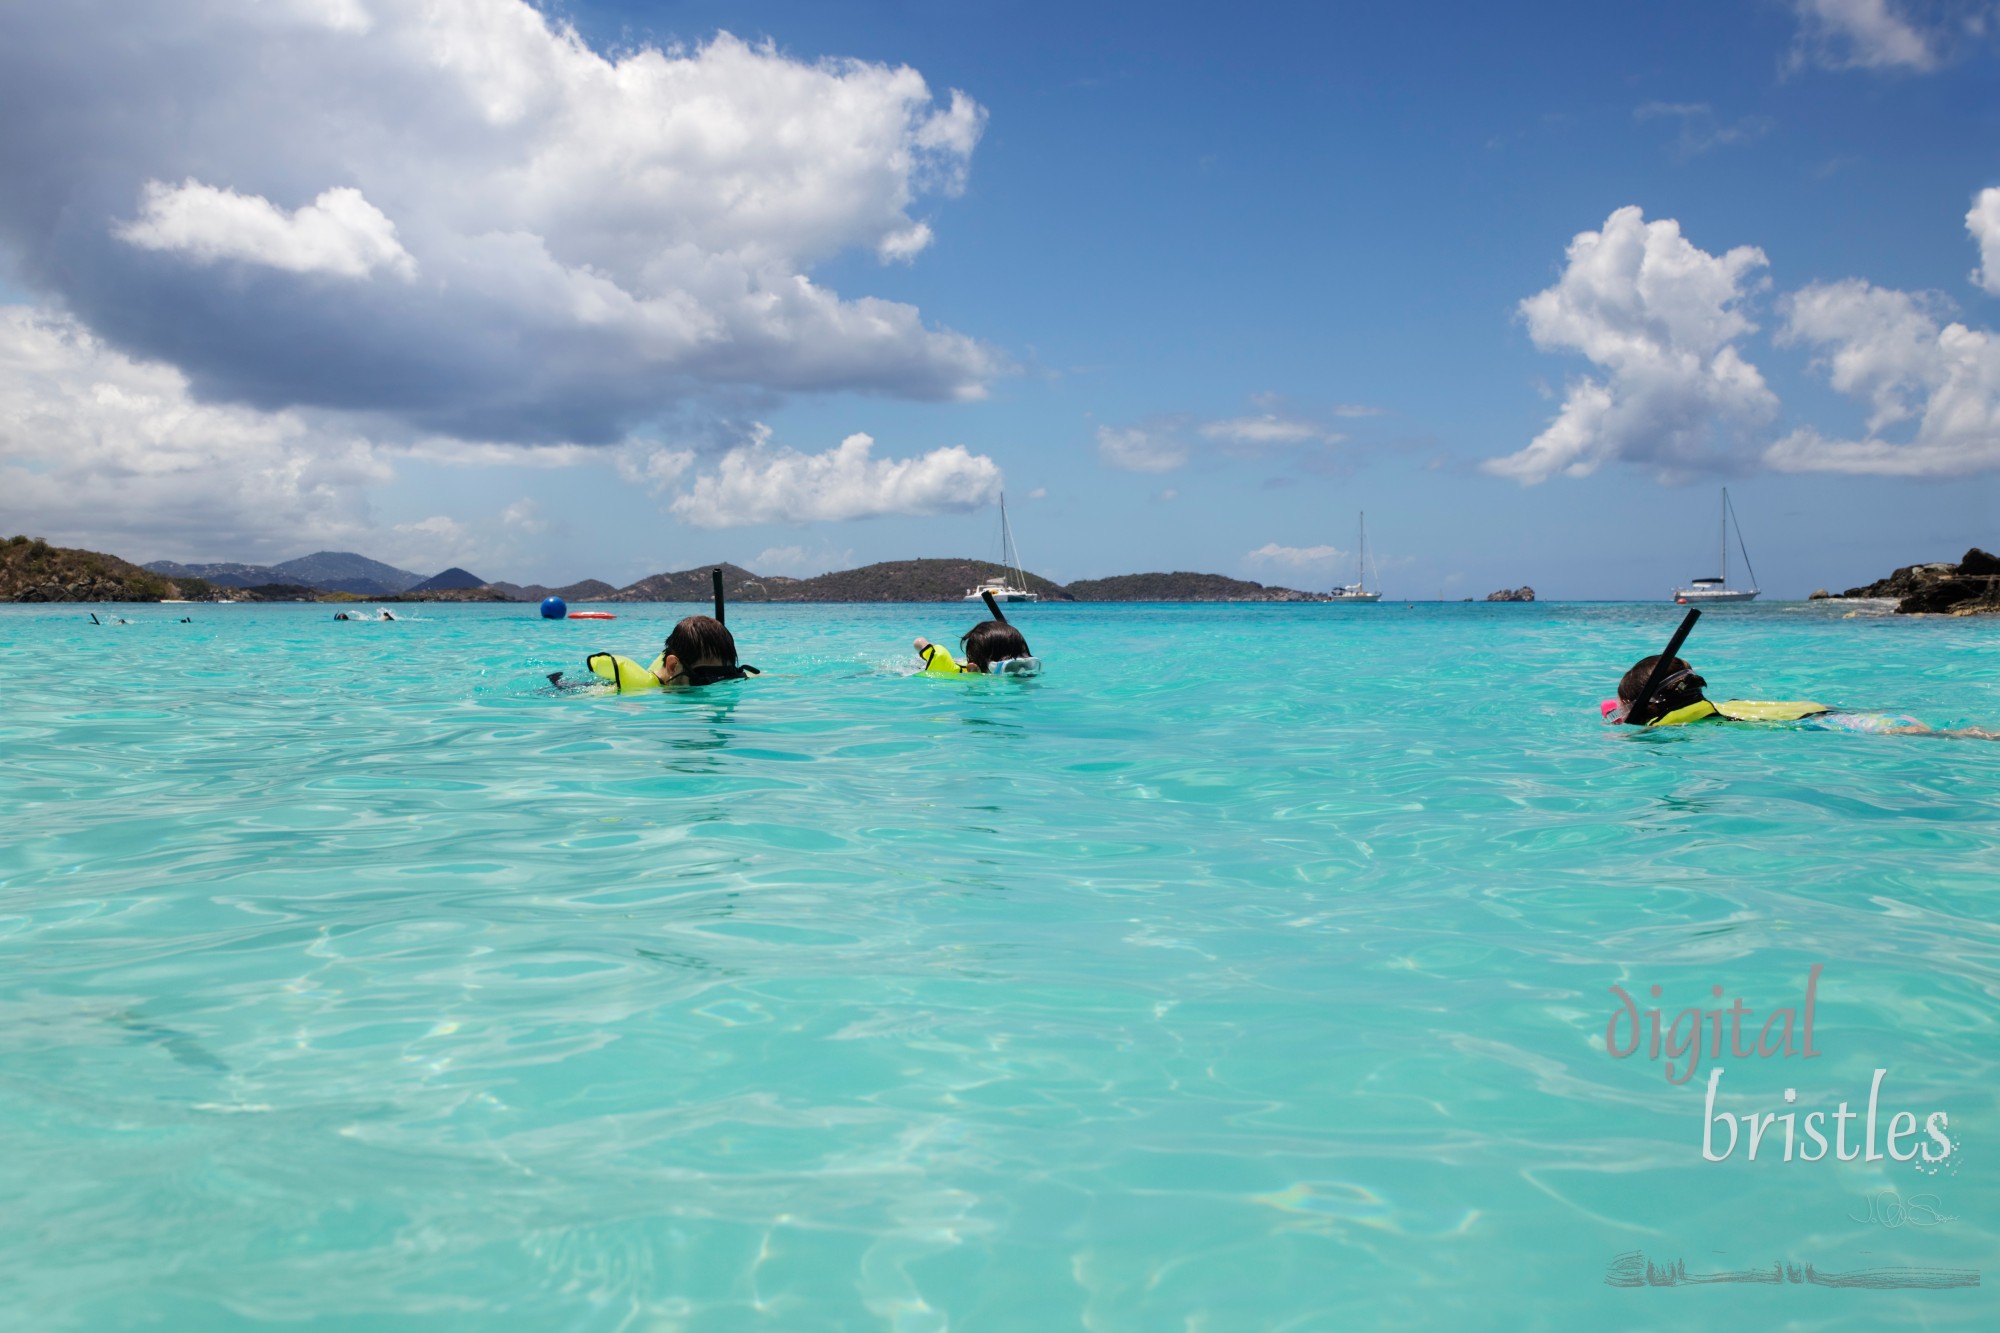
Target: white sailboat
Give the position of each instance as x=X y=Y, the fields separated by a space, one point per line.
x=1717 y=589
x=1014 y=587
x=1357 y=591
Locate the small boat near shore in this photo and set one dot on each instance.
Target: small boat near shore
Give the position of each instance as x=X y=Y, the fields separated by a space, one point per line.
x=1014 y=587
x=1717 y=589
x=1357 y=591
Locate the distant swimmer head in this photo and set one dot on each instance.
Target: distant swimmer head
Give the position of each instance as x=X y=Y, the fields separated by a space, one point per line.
x=1678 y=687
x=992 y=641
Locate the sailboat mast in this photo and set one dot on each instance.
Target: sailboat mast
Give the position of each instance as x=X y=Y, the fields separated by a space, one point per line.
x=1361 y=554
x=1010 y=555
x=1743 y=548
x=1722 y=535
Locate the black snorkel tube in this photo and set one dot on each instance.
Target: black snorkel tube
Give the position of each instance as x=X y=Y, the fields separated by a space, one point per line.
x=1661 y=666
x=992 y=605
x=738 y=672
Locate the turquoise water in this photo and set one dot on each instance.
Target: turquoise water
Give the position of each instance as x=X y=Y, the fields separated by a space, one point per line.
x=1248 y=969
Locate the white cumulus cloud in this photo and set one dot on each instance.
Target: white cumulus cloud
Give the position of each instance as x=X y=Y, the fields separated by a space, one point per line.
x=652 y=466
x=105 y=451
x=340 y=232
x=1660 y=318
x=1894 y=351
x=1862 y=34
x=766 y=483
x=539 y=242
x=1983 y=222
x=114 y=453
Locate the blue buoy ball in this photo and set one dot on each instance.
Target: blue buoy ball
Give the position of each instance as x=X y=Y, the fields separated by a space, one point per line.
x=554 y=608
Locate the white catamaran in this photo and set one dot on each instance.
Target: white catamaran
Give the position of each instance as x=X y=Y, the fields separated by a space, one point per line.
x=1717 y=589
x=1014 y=587
x=1357 y=591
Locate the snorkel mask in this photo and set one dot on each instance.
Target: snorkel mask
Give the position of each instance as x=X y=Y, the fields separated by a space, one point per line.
x=1661 y=675
x=1617 y=710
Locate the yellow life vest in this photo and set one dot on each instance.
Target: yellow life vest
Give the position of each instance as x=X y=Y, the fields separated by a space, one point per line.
x=1742 y=710
x=626 y=674
x=630 y=677
x=936 y=659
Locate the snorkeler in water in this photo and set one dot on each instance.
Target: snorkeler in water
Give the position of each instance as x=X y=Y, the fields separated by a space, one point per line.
x=700 y=651
x=1675 y=698
x=988 y=646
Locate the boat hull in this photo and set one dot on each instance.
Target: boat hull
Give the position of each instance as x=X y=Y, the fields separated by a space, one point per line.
x=1685 y=596
x=1341 y=597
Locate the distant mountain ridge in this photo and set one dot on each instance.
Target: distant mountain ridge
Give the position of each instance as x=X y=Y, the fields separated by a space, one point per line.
x=452 y=580
x=336 y=570
x=221 y=574
x=927 y=580
x=913 y=581
x=697 y=585
x=1182 y=586
x=589 y=590
x=329 y=571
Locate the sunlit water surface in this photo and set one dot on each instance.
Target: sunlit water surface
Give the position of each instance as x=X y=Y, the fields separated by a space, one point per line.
x=1248 y=969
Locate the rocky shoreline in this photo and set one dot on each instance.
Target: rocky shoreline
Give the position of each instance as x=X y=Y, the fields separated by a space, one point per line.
x=1971 y=587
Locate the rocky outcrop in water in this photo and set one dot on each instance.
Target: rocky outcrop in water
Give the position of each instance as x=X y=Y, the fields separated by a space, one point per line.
x=1521 y=594
x=1969 y=588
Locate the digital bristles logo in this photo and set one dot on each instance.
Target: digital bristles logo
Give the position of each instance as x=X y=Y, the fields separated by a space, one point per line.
x=1786 y=1033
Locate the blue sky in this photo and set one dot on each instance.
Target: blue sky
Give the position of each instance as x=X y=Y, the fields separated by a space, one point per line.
x=592 y=291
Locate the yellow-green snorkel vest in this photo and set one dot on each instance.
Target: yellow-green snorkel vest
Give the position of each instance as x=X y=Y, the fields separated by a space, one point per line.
x=626 y=674
x=1741 y=710
x=937 y=660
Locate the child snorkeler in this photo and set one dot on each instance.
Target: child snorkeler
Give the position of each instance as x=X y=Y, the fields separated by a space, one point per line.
x=1676 y=699
x=991 y=646
x=700 y=651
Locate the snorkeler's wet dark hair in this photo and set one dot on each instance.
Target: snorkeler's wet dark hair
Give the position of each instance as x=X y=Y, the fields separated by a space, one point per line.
x=992 y=641
x=1678 y=688
x=702 y=639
